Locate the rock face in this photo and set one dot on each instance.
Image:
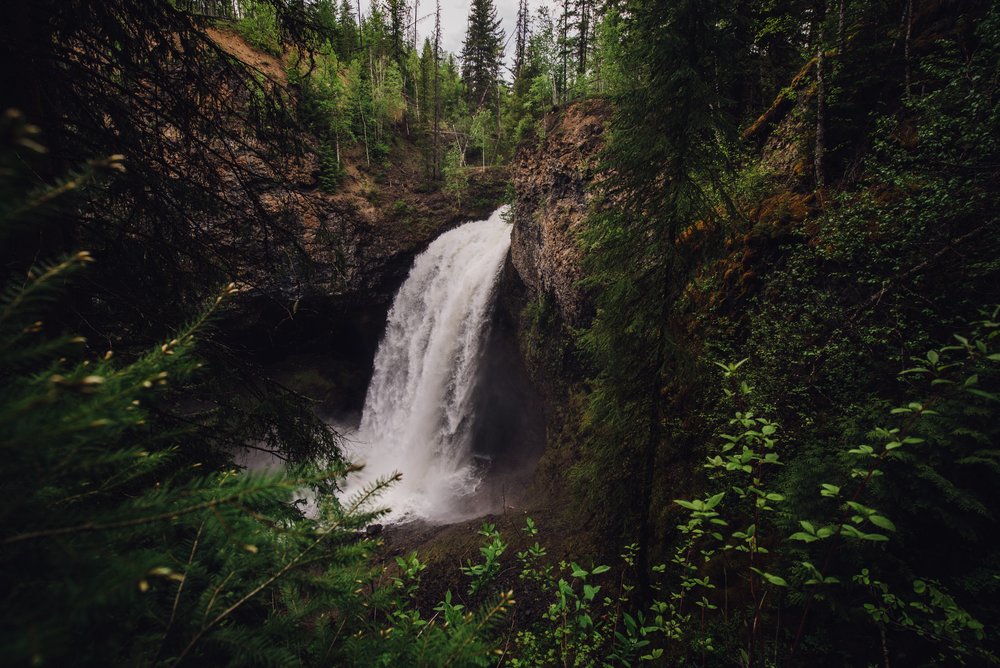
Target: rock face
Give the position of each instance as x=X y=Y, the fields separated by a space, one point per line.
x=355 y=244
x=310 y=253
x=540 y=297
x=551 y=180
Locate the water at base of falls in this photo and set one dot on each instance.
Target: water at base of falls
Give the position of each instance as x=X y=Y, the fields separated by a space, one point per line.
x=418 y=412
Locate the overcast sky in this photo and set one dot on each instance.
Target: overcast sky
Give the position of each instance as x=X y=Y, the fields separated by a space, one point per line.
x=455 y=17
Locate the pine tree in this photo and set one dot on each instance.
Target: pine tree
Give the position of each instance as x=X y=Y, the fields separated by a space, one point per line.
x=482 y=53
x=584 y=12
x=521 y=35
x=398 y=15
x=347 y=31
x=666 y=152
x=565 y=49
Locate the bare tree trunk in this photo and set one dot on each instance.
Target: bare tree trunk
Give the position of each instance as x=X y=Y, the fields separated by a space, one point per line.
x=437 y=91
x=840 y=28
x=820 y=150
x=361 y=44
x=416 y=18
x=364 y=128
x=496 y=147
x=564 y=52
x=906 y=45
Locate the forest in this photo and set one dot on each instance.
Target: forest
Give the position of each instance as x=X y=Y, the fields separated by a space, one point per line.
x=725 y=390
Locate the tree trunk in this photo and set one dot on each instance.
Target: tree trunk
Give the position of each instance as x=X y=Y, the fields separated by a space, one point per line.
x=361 y=31
x=820 y=150
x=437 y=91
x=841 y=15
x=906 y=46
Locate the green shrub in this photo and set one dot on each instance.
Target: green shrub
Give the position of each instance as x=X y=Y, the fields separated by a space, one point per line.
x=258 y=24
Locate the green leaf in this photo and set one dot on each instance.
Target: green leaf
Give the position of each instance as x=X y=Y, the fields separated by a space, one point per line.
x=882 y=522
x=600 y=569
x=877 y=537
x=775 y=580
x=984 y=395
x=713 y=501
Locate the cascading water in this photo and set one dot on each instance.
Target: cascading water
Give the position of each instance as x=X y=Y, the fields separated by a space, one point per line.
x=418 y=413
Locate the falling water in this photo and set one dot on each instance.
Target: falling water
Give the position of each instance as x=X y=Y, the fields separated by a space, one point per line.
x=418 y=413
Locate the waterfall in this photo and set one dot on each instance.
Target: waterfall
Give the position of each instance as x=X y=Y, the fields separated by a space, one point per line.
x=419 y=408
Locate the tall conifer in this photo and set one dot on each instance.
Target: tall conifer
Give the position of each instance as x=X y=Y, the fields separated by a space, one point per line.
x=521 y=38
x=482 y=54
x=666 y=147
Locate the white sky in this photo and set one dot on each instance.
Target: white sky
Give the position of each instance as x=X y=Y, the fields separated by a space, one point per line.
x=455 y=18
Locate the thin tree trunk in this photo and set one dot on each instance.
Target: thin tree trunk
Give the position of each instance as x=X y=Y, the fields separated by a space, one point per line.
x=820 y=149
x=841 y=15
x=564 y=52
x=906 y=45
x=416 y=18
x=361 y=44
x=437 y=91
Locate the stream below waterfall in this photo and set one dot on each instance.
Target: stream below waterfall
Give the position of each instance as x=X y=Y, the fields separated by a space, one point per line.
x=420 y=412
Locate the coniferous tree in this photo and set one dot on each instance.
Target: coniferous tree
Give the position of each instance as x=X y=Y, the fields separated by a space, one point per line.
x=521 y=33
x=398 y=14
x=584 y=12
x=347 y=31
x=565 y=49
x=482 y=54
x=325 y=12
x=666 y=145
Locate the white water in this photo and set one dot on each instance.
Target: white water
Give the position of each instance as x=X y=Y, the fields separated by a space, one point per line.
x=418 y=412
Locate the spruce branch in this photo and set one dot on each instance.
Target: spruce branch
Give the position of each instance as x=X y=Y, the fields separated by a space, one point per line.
x=87 y=527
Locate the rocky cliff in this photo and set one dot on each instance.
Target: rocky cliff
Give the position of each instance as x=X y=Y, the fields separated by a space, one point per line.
x=552 y=179
x=337 y=250
x=540 y=291
x=315 y=283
